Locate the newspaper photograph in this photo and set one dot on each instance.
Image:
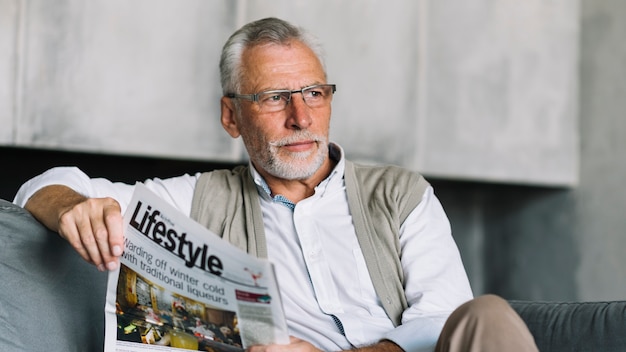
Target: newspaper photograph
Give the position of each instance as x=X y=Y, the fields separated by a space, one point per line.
x=181 y=287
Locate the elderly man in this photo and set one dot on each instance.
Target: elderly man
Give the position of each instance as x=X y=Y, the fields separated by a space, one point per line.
x=364 y=254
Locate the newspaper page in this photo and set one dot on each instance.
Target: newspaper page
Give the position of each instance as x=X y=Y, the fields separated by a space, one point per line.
x=182 y=287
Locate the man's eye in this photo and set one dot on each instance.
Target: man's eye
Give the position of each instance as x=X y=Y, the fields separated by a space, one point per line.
x=275 y=97
x=314 y=93
x=271 y=98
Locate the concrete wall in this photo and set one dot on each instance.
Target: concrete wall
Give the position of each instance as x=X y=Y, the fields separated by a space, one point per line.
x=600 y=202
x=481 y=91
x=551 y=243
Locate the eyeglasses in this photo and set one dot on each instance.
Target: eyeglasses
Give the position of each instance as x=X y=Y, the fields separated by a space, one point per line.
x=315 y=96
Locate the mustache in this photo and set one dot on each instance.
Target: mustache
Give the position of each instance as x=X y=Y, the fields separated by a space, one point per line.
x=297 y=137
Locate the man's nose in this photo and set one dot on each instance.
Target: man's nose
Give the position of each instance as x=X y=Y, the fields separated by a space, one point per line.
x=299 y=112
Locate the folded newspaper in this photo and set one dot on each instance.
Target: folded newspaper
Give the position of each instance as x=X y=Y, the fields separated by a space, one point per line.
x=182 y=287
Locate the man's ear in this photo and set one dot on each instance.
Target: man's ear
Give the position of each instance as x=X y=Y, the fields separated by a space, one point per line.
x=229 y=121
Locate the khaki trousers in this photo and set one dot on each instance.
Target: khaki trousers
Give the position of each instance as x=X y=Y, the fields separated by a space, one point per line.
x=486 y=323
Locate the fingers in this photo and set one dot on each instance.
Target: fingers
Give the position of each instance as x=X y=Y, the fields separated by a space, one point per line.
x=114 y=223
x=94 y=228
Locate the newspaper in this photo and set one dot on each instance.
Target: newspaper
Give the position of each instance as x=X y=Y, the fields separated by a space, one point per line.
x=180 y=286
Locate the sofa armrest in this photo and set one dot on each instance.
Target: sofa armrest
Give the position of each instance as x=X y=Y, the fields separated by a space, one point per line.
x=51 y=299
x=575 y=326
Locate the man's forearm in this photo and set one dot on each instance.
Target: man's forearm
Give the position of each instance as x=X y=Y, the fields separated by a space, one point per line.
x=92 y=226
x=48 y=203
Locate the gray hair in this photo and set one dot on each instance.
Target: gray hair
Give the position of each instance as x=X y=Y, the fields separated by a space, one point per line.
x=264 y=31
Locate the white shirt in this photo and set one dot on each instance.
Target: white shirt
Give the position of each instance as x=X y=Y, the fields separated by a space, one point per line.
x=320 y=267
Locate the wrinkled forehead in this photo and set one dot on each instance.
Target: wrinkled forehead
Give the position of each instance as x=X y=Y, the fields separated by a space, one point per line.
x=280 y=65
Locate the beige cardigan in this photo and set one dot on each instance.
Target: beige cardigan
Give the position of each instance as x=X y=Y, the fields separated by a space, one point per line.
x=379 y=197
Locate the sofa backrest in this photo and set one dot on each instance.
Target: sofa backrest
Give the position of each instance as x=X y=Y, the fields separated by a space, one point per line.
x=575 y=326
x=50 y=298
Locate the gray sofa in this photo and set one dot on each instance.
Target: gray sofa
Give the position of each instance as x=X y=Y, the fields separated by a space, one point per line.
x=51 y=300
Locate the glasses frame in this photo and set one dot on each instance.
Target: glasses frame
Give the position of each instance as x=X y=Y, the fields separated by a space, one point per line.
x=255 y=97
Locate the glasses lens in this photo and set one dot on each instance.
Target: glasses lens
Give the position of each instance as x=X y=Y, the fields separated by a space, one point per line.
x=318 y=96
x=273 y=101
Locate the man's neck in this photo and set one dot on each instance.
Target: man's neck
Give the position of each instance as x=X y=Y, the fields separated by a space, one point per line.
x=297 y=190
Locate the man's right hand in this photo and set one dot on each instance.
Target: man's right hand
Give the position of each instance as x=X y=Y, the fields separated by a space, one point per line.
x=93 y=226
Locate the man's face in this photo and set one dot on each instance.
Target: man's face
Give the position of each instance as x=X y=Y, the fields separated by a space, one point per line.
x=292 y=143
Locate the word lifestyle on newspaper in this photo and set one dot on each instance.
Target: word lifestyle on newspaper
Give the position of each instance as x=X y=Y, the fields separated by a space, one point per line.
x=180 y=286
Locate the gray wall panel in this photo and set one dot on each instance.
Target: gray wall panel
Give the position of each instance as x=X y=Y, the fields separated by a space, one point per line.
x=482 y=91
x=502 y=91
x=134 y=77
x=9 y=20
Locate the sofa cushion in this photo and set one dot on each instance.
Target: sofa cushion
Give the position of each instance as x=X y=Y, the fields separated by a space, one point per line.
x=575 y=326
x=51 y=299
